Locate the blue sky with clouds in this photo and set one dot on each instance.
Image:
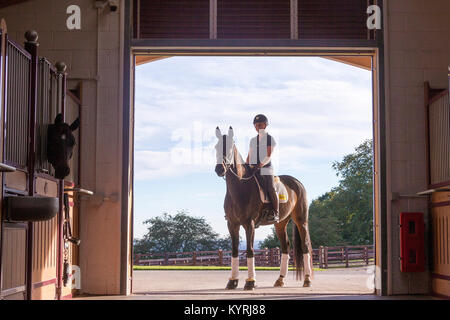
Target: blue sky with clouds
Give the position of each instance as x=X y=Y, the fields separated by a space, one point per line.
x=318 y=109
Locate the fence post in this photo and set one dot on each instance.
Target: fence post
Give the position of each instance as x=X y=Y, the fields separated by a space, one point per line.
x=276 y=261
x=321 y=257
x=166 y=259
x=220 y=257
x=346 y=257
x=194 y=258
x=326 y=257
x=366 y=255
x=271 y=257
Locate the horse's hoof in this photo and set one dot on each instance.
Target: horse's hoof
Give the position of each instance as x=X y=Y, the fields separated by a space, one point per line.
x=307 y=282
x=279 y=283
x=232 y=284
x=249 y=285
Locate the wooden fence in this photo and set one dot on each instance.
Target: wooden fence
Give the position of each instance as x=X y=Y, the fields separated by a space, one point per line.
x=323 y=257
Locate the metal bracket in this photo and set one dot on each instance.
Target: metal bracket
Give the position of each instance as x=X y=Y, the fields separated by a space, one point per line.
x=6 y=168
x=99 y=198
x=397 y=196
x=79 y=190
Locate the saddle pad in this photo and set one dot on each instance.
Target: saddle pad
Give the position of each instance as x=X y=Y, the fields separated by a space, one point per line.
x=280 y=188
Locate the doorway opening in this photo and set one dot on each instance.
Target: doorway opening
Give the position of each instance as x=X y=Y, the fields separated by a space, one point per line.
x=322 y=110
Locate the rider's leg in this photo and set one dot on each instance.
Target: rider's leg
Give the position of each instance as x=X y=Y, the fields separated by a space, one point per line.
x=270 y=184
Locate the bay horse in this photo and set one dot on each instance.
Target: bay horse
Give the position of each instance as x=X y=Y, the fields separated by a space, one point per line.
x=243 y=207
x=60 y=144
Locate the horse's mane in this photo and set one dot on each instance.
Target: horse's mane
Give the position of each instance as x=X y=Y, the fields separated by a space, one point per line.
x=241 y=167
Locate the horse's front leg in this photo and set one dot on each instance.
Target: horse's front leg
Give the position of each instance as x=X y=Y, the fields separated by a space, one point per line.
x=250 y=236
x=234 y=234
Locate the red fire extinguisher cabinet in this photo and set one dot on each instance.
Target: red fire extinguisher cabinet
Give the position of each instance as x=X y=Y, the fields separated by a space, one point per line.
x=412 y=242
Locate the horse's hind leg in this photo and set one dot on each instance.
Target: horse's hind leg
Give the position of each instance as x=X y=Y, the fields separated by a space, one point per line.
x=280 y=229
x=234 y=233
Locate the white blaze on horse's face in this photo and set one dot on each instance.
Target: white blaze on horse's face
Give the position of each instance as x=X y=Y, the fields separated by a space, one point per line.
x=224 y=147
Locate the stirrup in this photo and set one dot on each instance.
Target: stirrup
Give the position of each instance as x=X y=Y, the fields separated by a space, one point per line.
x=272 y=217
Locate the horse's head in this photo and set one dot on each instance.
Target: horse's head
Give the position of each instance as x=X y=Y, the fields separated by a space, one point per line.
x=60 y=143
x=224 y=151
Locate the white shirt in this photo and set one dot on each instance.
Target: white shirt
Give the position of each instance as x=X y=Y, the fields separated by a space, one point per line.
x=263 y=157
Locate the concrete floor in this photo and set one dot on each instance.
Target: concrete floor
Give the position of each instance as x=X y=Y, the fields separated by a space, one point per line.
x=348 y=284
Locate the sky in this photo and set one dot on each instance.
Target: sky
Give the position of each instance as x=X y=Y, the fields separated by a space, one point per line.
x=319 y=110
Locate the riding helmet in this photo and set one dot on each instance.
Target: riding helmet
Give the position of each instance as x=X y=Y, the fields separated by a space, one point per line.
x=260 y=118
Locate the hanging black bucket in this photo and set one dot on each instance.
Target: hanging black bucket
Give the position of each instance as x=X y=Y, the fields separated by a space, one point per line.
x=27 y=208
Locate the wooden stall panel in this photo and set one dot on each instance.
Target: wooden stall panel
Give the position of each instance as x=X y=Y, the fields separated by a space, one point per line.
x=14 y=263
x=439 y=140
x=440 y=220
x=17 y=105
x=46 y=187
x=16 y=180
x=45 y=236
x=183 y=19
x=325 y=19
x=253 y=19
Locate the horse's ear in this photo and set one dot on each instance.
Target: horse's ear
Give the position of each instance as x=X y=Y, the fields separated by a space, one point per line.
x=74 y=126
x=230 y=132
x=59 y=119
x=218 y=133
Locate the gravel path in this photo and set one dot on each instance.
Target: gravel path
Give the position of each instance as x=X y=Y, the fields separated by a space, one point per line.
x=185 y=285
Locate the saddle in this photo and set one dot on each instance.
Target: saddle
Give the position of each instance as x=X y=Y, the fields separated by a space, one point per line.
x=280 y=188
x=281 y=191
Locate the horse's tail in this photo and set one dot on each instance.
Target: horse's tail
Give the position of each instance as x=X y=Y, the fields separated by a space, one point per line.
x=298 y=252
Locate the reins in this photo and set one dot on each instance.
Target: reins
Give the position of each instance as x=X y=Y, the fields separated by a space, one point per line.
x=229 y=167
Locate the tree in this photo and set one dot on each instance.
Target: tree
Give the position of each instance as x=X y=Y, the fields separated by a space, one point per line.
x=271 y=241
x=179 y=233
x=353 y=201
x=324 y=228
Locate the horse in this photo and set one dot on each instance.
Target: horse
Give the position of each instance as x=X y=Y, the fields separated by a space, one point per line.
x=243 y=207
x=60 y=144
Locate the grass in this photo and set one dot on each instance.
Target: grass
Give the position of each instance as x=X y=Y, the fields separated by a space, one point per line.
x=209 y=268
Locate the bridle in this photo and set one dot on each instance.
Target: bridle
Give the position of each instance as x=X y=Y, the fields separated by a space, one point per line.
x=228 y=164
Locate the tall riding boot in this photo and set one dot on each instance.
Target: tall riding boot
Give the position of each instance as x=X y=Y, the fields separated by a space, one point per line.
x=274 y=200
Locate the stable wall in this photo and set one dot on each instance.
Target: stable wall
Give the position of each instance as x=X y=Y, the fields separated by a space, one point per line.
x=94 y=59
x=417 y=49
